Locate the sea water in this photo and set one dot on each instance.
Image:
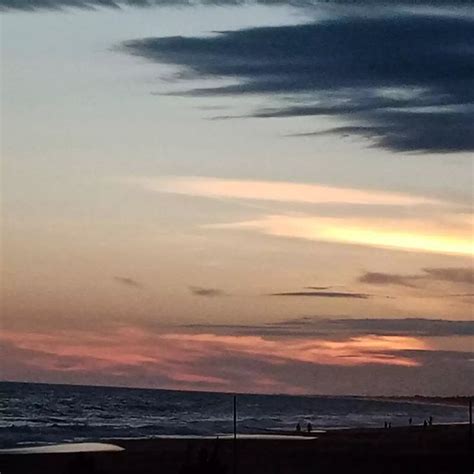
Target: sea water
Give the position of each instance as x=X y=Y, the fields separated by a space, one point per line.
x=36 y=414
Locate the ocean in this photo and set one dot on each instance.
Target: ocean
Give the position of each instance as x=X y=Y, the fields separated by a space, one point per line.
x=37 y=414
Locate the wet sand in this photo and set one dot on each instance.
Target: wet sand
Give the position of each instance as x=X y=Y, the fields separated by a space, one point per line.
x=433 y=450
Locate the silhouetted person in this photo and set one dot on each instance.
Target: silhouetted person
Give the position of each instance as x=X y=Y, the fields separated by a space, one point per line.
x=390 y=424
x=410 y=421
x=309 y=427
x=385 y=425
x=425 y=424
x=430 y=422
x=298 y=428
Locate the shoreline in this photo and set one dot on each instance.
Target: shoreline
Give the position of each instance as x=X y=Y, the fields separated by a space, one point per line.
x=265 y=434
x=439 y=449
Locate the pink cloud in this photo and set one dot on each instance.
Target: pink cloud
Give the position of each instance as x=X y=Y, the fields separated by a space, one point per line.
x=190 y=360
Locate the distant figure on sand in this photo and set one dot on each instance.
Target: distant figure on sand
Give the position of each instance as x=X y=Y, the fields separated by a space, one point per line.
x=390 y=424
x=410 y=421
x=298 y=428
x=309 y=427
x=385 y=425
x=430 y=421
x=425 y=424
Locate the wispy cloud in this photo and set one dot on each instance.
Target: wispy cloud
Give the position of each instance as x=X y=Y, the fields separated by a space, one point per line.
x=323 y=327
x=207 y=292
x=324 y=294
x=439 y=231
x=456 y=275
x=279 y=191
x=130 y=282
x=379 y=278
x=398 y=234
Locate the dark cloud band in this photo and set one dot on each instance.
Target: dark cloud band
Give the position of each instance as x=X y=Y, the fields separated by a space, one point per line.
x=323 y=294
x=307 y=326
x=403 y=81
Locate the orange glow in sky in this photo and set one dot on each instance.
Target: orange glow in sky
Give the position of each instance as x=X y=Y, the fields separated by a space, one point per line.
x=281 y=191
x=421 y=236
x=184 y=357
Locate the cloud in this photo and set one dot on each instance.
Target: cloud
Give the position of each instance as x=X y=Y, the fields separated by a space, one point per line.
x=408 y=326
x=378 y=278
x=280 y=191
x=453 y=275
x=207 y=292
x=309 y=326
x=461 y=275
x=341 y=364
x=130 y=282
x=324 y=294
x=422 y=235
x=401 y=80
x=59 y=4
x=358 y=223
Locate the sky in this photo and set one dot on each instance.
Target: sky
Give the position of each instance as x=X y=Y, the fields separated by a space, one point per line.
x=252 y=196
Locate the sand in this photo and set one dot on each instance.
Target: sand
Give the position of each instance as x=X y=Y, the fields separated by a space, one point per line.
x=63 y=448
x=433 y=450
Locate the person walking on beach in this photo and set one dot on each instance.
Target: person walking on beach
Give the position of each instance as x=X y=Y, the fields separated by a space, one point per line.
x=430 y=421
x=298 y=428
x=309 y=427
x=410 y=421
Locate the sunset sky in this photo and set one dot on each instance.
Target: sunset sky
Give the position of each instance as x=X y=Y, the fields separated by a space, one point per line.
x=263 y=196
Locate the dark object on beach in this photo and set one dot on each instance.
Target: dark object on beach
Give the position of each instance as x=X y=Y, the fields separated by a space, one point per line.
x=309 y=427
x=410 y=421
x=425 y=424
x=298 y=428
x=390 y=424
x=430 y=421
x=385 y=425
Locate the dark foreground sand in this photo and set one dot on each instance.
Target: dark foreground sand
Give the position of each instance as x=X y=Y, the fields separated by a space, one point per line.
x=433 y=450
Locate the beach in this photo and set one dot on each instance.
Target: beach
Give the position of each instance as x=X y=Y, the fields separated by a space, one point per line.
x=442 y=449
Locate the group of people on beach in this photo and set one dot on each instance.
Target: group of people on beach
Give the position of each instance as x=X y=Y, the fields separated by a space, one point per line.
x=387 y=424
x=426 y=423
